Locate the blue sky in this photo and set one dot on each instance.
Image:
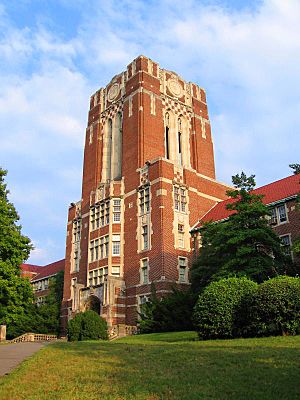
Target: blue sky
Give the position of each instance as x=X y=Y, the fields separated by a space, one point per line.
x=55 y=54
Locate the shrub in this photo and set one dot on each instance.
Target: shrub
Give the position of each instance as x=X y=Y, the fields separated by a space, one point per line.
x=275 y=308
x=87 y=325
x=220 y=310
x=168 y=314
x=74 y=326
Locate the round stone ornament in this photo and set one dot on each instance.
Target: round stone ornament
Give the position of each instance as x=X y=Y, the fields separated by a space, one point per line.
x=175 y=87
x=113 y=92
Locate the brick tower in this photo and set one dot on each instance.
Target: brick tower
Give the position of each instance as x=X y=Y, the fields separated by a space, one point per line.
x=148 y=176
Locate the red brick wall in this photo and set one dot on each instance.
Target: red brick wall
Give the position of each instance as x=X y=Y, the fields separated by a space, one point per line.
x=143 y=140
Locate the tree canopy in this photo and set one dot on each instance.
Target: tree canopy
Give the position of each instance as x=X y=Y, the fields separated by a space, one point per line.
x=15 y=291
x=243 y=245
x=295 y=168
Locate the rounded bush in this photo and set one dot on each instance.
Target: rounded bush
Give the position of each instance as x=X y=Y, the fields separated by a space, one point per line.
x=220 y=310
x=275 y=308
x=87 y=325
x=74 y=328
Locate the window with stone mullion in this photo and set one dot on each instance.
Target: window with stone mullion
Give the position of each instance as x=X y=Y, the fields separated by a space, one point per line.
x=182 y=269
x=117 y=210
x=180 y=199
x=145 y=237
x=144 y=198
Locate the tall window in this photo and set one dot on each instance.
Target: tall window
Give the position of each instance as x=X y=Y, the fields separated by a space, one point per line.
x=102 y=249
x=179 y=142
x=76 y=258
x=167 y=128
x=144 y=198
x=76 y=230
x=145 y=271
x=99 y=215
x=117 y=145
x=92 y=251
x=273 y=217
x=181 y=236
x=180 y=198
x=282 y=213
x=117 y=210
x=286 y=245
x=102 y=209
x=95 y=217
x=107 y=212
x=76 y=244
x=145 y=237
x=99 y=248
x=73 y=293
x=106 y=246
x=116 y=245
x=182 y=269
x=109 y=146
x=92 y=218
x=141 y=301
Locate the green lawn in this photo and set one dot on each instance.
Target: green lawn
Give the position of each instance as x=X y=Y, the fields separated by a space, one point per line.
x=160 y=366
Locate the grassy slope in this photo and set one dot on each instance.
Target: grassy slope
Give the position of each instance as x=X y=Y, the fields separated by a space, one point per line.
x=160 y=366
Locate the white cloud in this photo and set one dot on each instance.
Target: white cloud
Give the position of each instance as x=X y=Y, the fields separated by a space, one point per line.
x=247 y=60
x=43 y=252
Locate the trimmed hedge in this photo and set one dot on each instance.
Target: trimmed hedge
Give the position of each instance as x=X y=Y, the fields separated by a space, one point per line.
x=87 y=325
x=220 y=310
x=275 y=308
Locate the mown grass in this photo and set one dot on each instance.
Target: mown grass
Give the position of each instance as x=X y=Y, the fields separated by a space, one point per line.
x=160 y=366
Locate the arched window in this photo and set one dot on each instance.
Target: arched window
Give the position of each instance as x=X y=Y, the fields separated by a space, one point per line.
x=109 y=128
x=117 y=174
x=109 y=146
x=167 y=134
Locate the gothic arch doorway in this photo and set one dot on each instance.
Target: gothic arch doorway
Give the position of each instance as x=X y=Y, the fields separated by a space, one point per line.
x=93 y=303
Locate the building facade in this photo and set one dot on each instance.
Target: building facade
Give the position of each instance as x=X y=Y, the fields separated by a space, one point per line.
x=148 y=175
x=281 y=198
x=40 y=276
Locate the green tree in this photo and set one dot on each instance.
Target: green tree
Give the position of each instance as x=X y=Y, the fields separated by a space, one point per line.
x=244 y=245
x=171 y=313
x=15 y=292
x=295 y=168
x=48 y=313
x=296 y=245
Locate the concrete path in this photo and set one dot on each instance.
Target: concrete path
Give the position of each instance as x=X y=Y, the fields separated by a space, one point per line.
x=12 y=355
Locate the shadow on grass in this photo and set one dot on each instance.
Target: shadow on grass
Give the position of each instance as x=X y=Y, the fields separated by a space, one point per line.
x=190 y=371
x=241 y=369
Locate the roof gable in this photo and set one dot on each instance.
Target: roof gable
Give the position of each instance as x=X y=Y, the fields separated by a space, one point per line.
x=38 y=272
x=273 y=192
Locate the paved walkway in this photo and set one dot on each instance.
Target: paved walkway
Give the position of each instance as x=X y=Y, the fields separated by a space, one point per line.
x=12 y=355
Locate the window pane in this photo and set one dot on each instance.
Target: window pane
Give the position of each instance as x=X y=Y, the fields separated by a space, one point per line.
x=282 y=213
x=145 y=237
x=116 y=248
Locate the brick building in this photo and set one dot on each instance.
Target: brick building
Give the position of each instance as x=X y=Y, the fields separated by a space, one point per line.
x=280 y=196
x=148 y=175
x=40 y=276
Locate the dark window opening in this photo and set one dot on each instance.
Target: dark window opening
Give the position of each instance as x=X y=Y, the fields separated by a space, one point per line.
x=167 y=143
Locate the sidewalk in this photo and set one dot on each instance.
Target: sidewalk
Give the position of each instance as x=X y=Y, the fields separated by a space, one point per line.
x=12 y=355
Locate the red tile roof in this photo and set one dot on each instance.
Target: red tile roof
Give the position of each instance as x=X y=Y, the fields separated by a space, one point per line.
x=39 y=272
x=273 y=192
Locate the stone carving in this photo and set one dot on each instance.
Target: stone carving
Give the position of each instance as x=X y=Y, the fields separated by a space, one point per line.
x=175 y=87
x=113 y=92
